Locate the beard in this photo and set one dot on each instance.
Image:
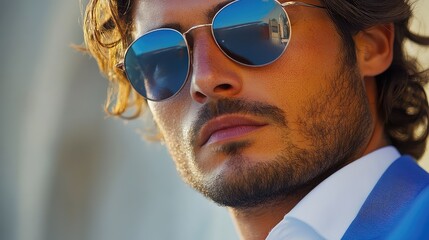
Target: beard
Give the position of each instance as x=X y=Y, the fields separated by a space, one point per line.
x=336 y=122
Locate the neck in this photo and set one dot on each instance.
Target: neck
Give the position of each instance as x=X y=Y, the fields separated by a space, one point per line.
x=255 y=223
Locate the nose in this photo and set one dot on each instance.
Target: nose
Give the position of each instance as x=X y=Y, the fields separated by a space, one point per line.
x=214 y=75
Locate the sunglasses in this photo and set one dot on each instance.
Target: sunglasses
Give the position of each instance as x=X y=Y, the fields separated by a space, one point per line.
x=252 y=33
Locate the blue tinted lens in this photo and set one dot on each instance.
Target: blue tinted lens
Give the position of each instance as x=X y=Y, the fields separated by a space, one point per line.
x=157 y=64
x=252 y=32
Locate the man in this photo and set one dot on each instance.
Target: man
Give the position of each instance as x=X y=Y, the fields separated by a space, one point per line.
x=294 y=115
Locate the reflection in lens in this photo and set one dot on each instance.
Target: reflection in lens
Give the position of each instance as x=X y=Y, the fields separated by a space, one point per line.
x=254 y=32
x=157 y=64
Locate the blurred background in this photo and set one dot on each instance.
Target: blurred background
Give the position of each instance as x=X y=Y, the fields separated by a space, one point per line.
x=66 y=171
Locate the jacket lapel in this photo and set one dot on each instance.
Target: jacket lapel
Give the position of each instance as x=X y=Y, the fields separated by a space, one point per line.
x=387 y=203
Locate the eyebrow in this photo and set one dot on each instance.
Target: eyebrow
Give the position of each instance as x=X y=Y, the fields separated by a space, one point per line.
x=212 y=12
x=209 y=16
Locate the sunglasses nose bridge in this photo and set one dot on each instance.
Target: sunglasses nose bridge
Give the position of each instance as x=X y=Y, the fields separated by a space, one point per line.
x=196 y=27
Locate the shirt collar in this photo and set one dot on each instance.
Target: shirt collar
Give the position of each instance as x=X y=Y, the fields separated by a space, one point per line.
x=331 y=207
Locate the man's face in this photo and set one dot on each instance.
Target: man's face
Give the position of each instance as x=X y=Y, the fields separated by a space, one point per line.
x=247 y=135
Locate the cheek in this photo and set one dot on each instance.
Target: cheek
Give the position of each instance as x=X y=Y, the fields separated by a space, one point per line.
x=172 y=116
x=166 y=118
x=312 y=56
x=172 y=119
x=305 y=69
x=310 y=59
x=315 y=51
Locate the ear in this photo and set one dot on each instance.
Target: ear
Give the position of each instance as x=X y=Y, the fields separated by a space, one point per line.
x=374 y=49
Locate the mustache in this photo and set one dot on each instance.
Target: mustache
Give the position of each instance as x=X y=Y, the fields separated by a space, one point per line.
x=230 y=106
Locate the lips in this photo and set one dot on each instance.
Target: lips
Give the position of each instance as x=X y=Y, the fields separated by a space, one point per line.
x=227 y=127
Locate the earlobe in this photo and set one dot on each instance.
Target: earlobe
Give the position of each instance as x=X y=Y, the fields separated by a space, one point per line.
x=374 y=49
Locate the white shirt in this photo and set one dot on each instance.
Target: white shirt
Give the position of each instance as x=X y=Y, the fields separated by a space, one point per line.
x=328 y=210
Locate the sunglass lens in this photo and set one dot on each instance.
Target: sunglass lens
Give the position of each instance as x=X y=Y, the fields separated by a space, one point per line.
x=252 y=32
x=157 y=64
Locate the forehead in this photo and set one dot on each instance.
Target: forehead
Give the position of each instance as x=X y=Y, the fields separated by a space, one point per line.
x=150 y=14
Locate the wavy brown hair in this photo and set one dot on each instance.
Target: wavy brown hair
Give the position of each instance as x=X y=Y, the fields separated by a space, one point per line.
x=403 y=103
x=107 y=33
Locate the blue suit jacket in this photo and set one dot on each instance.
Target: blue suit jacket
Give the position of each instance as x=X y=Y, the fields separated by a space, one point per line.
x=397 y=207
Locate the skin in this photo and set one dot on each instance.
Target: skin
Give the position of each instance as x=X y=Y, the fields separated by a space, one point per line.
x=328 y=112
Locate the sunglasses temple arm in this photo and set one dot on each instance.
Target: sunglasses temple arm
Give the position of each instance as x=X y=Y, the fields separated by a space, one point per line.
x=293 y=3
x=120 y=66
